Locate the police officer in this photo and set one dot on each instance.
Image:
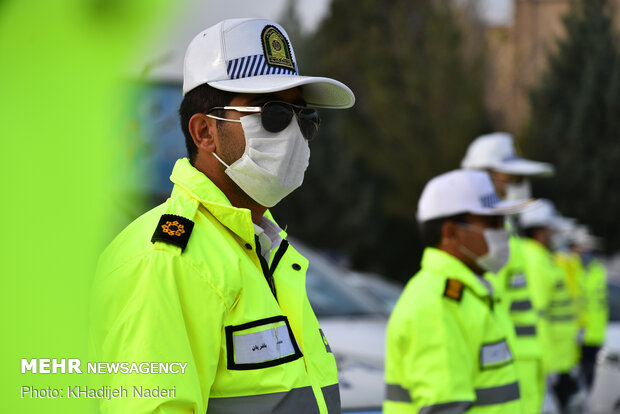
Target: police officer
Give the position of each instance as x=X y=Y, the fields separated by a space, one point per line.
x=595 y=313
x=208 y=278
x=551 y=296
x=446 y=349
x=510 y=174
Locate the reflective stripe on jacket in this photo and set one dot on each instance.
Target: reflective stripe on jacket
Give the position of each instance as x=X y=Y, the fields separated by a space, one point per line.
x=213 y=306
x=446 y=350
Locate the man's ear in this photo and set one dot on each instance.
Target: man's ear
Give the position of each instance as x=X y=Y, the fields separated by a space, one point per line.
x=448 y=233
x=203 y=130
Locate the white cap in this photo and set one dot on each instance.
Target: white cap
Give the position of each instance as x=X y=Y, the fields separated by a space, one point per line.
x=255 y=56
x=463 y=191
x=583 y=238
x=541 y=213
x=496 y=152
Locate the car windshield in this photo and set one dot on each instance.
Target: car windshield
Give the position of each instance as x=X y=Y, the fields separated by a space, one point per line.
x=328 y=292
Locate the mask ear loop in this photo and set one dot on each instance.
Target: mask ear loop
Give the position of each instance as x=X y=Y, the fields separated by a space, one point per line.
x=464 y=249
x=220 y=160
x=219 y=118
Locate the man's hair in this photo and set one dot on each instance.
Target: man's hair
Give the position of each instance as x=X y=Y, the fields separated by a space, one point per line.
x=530 y=232
x=430 y=230
x=198 y=101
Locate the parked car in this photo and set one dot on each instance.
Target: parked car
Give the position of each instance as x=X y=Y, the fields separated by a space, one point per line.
x=605 y=394
x=385 y=292
x=354 y=324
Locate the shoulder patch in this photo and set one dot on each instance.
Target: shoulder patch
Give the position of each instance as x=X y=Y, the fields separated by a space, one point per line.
x=174 y=230
x=454 y=289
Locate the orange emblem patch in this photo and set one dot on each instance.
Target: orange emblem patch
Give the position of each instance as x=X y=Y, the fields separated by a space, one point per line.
x=454 y=289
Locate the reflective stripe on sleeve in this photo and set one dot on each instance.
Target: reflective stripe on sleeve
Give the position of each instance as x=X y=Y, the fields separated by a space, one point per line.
x=497 y=395
x=296 y=400
x=521 y=305
x=395 y=392
x=564 y=302
x=562 y=318
x=457 y=407
x=331 y=394
x=526 y=330
x=495 y=355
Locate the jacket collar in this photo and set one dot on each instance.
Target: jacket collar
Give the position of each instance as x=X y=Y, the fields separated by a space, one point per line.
x=439 y=262
x=201 y=188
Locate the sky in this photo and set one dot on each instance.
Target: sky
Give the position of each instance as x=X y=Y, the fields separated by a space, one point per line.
x=165 y=60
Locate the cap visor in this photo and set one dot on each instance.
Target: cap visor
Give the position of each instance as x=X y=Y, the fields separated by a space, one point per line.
x=521 y=166
x=504 y=208
x=317 y=91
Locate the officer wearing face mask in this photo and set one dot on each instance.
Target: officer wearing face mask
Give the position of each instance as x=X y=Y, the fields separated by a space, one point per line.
x=592 y=301
x=509 y=172
x=550 y=294
x=447 y=350
x=208 y=279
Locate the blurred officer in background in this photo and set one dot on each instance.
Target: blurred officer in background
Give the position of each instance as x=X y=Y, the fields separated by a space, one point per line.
x=208 y=278
x=595 y=313
x=446 y=349
x=551 y=296
x=496 y=154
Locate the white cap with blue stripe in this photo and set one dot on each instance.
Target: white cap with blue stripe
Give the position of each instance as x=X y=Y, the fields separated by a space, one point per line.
x=463 y=191
x=255 y=56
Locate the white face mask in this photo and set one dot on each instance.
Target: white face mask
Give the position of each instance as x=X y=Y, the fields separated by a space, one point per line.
x=521 y=191
x=273 y=164
x=498 y=249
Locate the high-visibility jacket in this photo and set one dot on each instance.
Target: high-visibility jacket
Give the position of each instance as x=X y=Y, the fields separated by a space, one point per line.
x=185 y=283
x=446 y=350
x=515 y=297
x=596 y=312
x=574 y=274
x=550 y=295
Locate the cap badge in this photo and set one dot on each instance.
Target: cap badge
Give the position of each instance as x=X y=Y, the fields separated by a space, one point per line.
x=276 y=48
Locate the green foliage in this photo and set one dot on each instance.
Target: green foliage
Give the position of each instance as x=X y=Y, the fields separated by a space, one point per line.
x=575 y=121
x=418 y=105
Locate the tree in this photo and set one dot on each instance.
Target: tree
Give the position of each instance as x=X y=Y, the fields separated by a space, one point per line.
x=419 y=102
x=575 y=120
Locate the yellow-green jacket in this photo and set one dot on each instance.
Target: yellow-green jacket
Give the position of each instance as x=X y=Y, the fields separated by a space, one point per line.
x=574 y=274
x=550 y=295
x=596 y=311
x=208 y=304
x=446 y=350
x=515 y=298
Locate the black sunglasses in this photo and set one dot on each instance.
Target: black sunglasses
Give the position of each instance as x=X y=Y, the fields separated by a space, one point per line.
x=276 y=116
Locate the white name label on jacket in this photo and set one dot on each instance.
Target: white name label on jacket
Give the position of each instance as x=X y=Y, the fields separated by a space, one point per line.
x=492 y=355
x=268 y=344
x=518 y=281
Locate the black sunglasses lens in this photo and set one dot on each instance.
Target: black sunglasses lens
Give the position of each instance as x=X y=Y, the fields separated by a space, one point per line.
x=275 y=117
x=309 y=122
